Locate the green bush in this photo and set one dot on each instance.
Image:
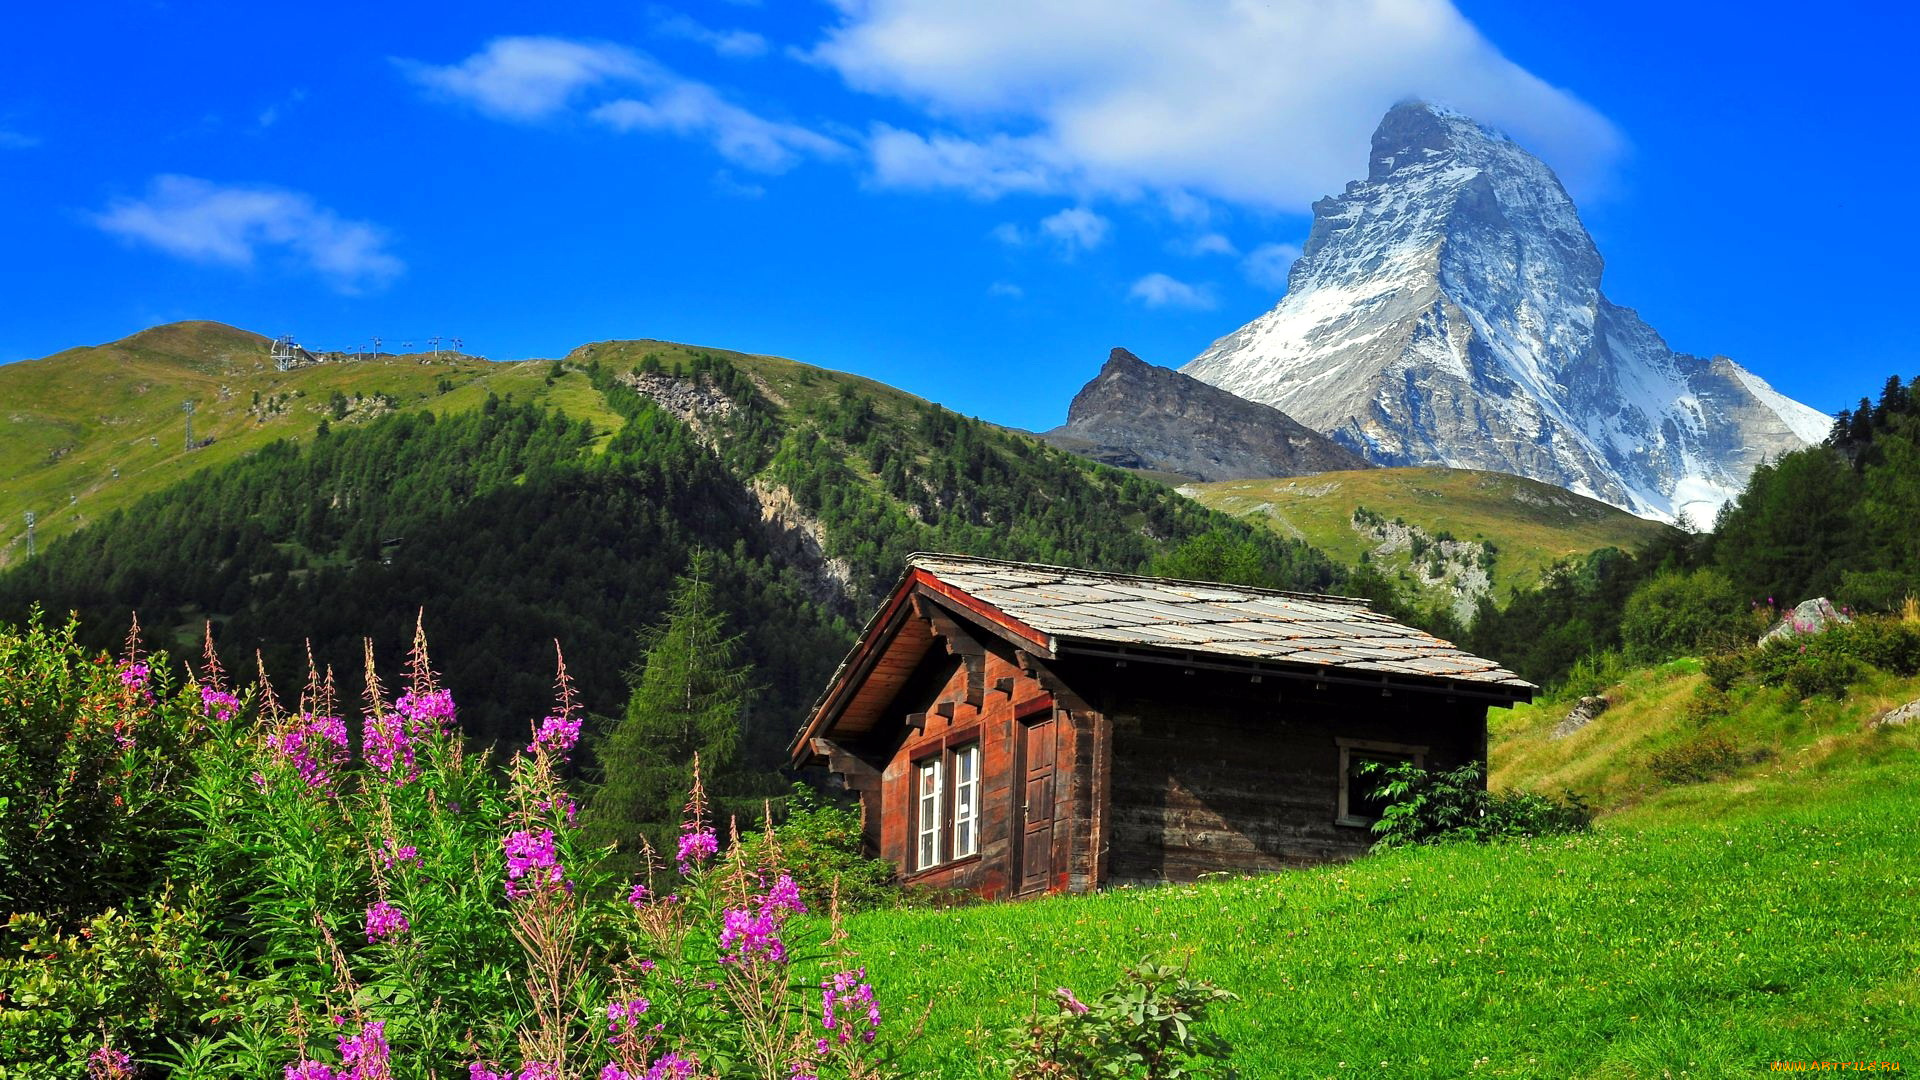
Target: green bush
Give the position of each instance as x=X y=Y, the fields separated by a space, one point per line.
x=1679 y=614
x=1823 y=663
x=1703 y=757
x=820 y=845
x=1592 y=674
x=92 y=758
x=1146 y=1027
x=1427 y=806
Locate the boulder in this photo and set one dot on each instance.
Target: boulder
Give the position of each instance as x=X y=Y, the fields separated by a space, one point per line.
x=1582 y=714
x=1808 y=617
x=1900 y=717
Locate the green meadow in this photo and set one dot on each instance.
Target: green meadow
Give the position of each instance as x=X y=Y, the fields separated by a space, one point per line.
x=1703 y=929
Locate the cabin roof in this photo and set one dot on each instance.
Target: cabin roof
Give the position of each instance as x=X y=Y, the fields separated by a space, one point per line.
x=1051 y=609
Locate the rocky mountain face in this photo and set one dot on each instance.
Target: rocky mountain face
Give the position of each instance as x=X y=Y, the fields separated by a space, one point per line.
x=1447 y=310
x=1138 y=416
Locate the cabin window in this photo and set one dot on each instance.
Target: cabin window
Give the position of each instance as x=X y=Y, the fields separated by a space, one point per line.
x=928 y=813
x=946 y=810
x=1358 y=806
x=966 y=801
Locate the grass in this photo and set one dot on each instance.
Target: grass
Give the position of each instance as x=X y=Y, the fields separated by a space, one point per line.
x=1703 y=929
x=1531 y=523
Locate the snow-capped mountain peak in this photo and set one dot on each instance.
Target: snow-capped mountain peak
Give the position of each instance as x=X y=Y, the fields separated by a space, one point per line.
x=1447 y=310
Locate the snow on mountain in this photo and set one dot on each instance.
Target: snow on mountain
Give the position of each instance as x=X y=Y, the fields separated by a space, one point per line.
x=1447 y=311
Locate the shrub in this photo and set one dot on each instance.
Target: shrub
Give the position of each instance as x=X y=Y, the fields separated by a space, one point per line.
x=1147 y=1026
x=92 y=755
x=1700 y=758
x=1427 y=806
x=1708 y=704
x=1678 y=614
x=822 y=847
x=1592 y=674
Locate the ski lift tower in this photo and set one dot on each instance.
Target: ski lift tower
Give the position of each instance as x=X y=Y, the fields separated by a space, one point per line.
x=30 y=522
x=187 y=407
x=285 y=353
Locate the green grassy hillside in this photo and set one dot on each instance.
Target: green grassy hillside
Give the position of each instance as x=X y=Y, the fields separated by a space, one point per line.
x=92 y=429
x=1705 y=928
x=1445 y=515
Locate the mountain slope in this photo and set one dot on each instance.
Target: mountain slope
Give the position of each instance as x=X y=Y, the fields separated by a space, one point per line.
x=520 y=504
x=1447 y=310
x=1447 y=536
x=1138 y=416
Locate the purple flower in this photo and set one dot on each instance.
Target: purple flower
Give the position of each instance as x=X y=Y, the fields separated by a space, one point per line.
x=530 y=856
x=615 y=1072
x=696 y=846
x=539 y=1070
x=311 y=1070
x=384 y=921
x=315 y=746
x=1070 y=1003
x=746 y=936
x=785 y=895
x=638 y=898
x=672 y=1067
x=403 y=853
x=624 y=1017
x=477 y=1071
x=218 y=704
x=365 y=1054
x=134 y=674
x=556 y=735
x=646 y=967
x=107 y=1063
x=388 y=747
x=846 y=992
x=430 y=713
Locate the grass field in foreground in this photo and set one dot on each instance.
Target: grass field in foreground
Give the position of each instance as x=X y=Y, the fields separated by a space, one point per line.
x=1709 y=948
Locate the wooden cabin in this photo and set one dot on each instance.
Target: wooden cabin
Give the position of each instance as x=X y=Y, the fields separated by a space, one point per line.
x=1015 y=729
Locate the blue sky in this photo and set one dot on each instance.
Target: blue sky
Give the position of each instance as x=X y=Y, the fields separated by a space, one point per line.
x=972 y=201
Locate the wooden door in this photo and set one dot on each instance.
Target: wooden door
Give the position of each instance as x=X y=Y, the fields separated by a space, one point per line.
x=1036 y=798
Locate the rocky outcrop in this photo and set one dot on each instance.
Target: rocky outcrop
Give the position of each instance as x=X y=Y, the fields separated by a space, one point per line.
x=1135 y=415
x=1900 y=717
x=1584 y=712
x=1807 y=617
x=1447 y=310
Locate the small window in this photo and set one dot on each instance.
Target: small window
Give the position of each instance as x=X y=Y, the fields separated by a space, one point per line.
x=1358 y=806
x=966 y=801
x=929 y=813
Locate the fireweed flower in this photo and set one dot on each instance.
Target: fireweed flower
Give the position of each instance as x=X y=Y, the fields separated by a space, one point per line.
x=107 y=1063
x=430 y=713
x=218 y=704
x=638 y=898
x=753 y=933
x=477 y=1071
x=539 y=1070
x=315 y=747
x=557 y=735
x=365 y=1054
x=388 y=747
x=134 y=674
x=391 y=853
x=624 y=1017
x=696 y=847
x=384 y=921
x=672 y=1067
x=530 y=857
x=848 y=1008
x=311 y=1070
x=1068 y=1002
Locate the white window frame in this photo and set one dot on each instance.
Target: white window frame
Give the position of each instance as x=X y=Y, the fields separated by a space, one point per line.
x=966 y=801
x=927 y=807
x=1367 y=748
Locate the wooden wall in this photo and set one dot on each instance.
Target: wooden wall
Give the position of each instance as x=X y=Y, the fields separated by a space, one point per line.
x=1211 y=773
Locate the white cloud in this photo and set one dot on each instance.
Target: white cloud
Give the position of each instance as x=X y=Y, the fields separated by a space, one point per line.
x=1076 y=229
x=1212 y=243
x=689 y=108
x=1006 y=289
x=233 y=224
x=1259 y=104
x=17 y=140
x=528 y=78
x=733 y=44
x=1161 y=291
x=1267 y=265
x=534 y=78
x=726 y=184
x=1009 y=234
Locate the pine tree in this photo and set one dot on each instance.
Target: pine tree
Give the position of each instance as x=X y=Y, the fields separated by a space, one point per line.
x=689 y=696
